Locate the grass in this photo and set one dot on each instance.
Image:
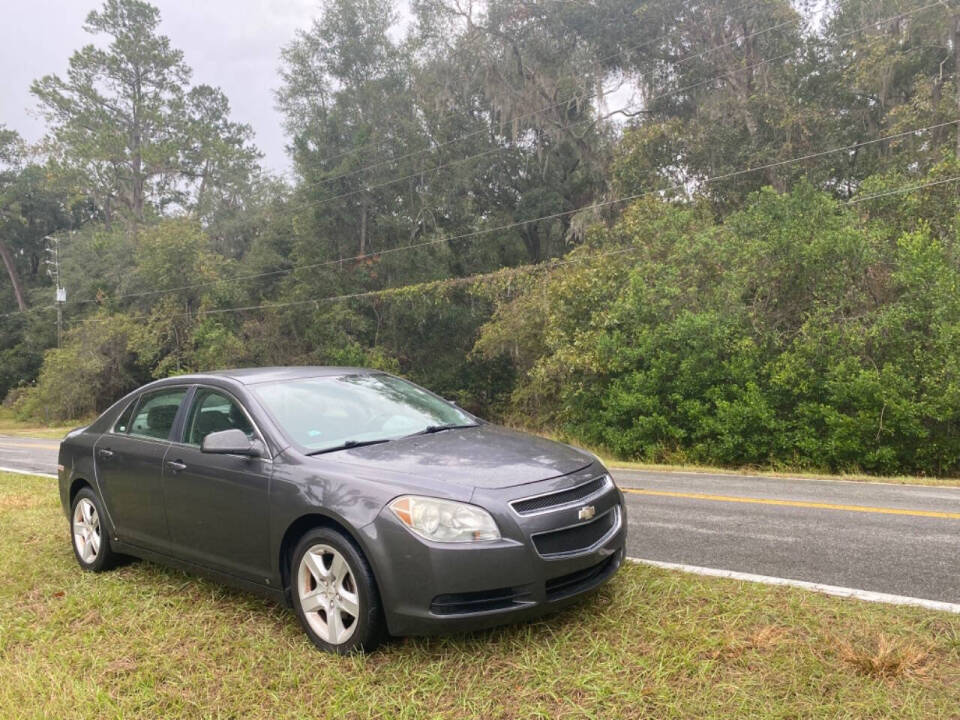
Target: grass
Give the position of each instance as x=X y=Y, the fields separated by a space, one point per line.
x=145 y=641
x=10 y=425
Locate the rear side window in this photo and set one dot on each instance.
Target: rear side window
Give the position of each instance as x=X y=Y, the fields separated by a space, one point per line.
x=122 y=424
x=155 y=414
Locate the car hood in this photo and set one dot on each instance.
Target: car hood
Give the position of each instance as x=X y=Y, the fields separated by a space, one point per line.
x=486 y=456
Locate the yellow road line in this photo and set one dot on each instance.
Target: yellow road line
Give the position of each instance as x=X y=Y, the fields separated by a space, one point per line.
x=44 y=446
x=794 y=503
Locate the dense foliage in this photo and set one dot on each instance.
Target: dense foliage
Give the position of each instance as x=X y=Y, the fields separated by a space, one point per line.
x=755 y=259
x=797 y=332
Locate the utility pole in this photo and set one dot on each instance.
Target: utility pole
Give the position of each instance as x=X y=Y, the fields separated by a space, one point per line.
x=53 y=270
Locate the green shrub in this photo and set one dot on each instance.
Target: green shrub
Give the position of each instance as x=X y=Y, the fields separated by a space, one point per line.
x=797 y=333
x=92 y=369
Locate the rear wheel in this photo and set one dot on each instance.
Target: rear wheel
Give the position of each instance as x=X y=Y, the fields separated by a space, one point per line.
x=91 y=541
x=334 y=593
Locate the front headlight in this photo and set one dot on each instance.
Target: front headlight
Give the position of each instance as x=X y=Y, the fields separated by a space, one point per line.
x=444 y=520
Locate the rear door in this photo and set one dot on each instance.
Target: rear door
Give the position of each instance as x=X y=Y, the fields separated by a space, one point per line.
x=129 y=462
x=217 y=505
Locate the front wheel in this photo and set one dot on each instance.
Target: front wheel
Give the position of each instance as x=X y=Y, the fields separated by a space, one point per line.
x=334 y=593
x=91 y=541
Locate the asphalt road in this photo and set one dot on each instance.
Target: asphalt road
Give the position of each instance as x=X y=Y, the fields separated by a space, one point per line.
x=902 y=540
x=789 y=534
x=28 y=454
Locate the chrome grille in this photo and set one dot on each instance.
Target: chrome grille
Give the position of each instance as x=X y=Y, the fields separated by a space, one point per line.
x=532 y=505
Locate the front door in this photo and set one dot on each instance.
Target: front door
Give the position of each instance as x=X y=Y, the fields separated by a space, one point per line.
x=217 y=505
x=129 y=462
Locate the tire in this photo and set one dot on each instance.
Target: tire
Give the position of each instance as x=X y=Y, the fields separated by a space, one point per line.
x=329 y=580
x=89 y=536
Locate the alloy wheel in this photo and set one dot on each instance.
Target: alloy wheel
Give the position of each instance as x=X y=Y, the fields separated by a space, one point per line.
x=86 y=530
x=328 y=595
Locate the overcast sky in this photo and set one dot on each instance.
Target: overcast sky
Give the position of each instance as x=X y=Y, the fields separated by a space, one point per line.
x=233 y=44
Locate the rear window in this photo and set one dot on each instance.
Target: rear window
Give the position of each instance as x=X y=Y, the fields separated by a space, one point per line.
x=155 y=414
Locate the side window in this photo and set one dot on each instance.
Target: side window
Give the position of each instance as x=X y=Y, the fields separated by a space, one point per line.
x=122 y=424
x=213 y=412
x=156 y=413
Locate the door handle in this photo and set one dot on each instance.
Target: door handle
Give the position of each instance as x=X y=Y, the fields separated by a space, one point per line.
x=176 y=465
x=105 y=453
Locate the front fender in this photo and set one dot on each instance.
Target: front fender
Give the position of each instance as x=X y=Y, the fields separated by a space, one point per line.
x=302 y=486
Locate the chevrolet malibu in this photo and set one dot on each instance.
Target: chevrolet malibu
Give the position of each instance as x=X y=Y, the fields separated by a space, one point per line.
x=368 y=504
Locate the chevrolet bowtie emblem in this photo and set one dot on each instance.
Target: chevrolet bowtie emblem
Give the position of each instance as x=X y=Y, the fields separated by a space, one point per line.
x=587 y=512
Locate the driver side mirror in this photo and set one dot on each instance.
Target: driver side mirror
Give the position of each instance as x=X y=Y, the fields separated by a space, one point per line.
x=231 y=442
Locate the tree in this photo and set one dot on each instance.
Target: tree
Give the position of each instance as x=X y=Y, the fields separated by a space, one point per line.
x=346 y=98
x=725 y=85
x=10 y=151
x=533 y=77
x=895 y=75
x=126 y=126
x=31 y=208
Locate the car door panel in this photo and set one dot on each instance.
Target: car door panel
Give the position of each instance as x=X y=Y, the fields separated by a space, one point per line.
x=208 y=499
x=129 y=466
x=209 y=496
x=128 y=472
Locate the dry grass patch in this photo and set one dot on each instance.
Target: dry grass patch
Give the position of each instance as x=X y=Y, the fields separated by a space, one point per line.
x=886 y=658
x=17 y=502
x=146 y=642
x=759 y=639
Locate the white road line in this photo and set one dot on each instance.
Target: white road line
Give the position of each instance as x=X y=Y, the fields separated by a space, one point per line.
x=764 y=537
x=20 y=471
x=867 y=595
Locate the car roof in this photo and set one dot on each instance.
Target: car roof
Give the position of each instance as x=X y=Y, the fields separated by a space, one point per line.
x=250 y=376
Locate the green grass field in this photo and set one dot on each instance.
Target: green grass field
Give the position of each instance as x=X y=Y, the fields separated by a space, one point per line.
x=143 y=641
x=9 y=425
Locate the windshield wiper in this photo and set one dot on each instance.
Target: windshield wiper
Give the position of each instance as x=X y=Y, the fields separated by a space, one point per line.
x=430 y=429
x=349 y=444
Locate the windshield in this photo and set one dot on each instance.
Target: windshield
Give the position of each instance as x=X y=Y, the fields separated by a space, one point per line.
x=327 y=412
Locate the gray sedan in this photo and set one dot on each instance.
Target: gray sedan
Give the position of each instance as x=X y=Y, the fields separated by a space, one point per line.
x=368 y=504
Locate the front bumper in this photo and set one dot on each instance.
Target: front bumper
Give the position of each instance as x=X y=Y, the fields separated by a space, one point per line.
x=431 y=588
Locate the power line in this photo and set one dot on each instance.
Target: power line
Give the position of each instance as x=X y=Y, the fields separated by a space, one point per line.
x=678 y=186
x=478 y=276
x=898 y=191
